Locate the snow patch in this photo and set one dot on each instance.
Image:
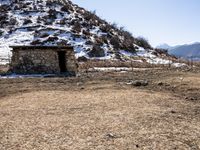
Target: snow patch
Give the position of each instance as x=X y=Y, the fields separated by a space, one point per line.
x=118 y=69
x=12 y=76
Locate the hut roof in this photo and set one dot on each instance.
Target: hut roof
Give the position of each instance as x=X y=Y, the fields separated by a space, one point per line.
x=24 y=47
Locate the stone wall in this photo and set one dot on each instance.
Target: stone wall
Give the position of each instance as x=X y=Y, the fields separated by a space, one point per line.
x=39 y=61
x=71 y=63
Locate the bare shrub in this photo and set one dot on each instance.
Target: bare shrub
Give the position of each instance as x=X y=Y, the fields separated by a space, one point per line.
x=52 y=39
x=27 y=21
x=1 y=32
x=86 y=32
x=76 y=27
x=52 y=14
x=96 y=51
x=65 y=8
x=36 y=42
x=142 y=42
x=115 y=42
x=44 y=35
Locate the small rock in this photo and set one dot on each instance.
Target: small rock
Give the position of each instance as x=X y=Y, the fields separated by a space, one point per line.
x=129 y=83
x=140 y=83
x=186 y=98
x=110 y=135
x=193 y=98
x=160 y=83
x=173 y=112
x=82 y=88
x=79 y=84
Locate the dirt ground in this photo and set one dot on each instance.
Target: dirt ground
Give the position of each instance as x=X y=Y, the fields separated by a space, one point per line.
x=101 y=111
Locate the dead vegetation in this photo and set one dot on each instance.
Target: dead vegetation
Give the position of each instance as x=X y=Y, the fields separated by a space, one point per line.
x=85 y=64
x=100 y=110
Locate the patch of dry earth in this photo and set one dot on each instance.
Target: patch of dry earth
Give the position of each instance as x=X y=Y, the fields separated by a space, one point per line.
x=98 y=119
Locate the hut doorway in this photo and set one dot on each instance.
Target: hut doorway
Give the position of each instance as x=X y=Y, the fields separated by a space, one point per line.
x=62 y=61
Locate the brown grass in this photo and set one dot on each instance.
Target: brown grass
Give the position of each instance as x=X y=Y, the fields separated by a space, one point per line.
x=98 y=119
x=3 y=69
x=116 y=63
x=100 y=111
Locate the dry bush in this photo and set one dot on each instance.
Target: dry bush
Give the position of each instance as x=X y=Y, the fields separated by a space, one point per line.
x=86 y=32
x=142 y=42
x=27 y=21
x=3 y=20
x=65 y=8
x=52 y=39
x=89 y=15
x=44 y=35
x=97 y=51
x=36 y=42
x=76 y=27
x=1 y=32
x=52 y=14
x=115 y=42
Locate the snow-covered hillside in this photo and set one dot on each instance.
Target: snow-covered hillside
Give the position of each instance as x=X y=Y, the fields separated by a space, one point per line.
x=60 y=22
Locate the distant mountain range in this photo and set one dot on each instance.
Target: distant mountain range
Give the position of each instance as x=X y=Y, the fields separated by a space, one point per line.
x=187 y=51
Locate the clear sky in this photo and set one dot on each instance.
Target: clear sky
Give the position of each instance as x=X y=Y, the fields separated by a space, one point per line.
x=160 y=21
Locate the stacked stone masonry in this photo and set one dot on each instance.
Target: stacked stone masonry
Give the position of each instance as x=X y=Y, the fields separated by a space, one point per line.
x=42 y=60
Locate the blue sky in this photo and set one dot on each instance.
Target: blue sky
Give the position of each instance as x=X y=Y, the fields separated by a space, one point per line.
x=160 y=21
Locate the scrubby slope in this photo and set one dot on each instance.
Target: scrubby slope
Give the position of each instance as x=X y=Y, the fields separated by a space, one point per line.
x=60 y=22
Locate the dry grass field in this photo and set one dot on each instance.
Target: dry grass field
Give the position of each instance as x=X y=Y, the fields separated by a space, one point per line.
x=100 y=111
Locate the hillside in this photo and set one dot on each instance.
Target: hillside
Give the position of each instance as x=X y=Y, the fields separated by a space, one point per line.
x=60 y=22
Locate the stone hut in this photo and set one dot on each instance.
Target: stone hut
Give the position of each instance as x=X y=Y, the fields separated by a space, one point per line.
x=43 y=60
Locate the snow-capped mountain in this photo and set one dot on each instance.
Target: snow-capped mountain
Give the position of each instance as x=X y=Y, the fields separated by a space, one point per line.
x=187 y=51
x=60 y=22
x=164 y=46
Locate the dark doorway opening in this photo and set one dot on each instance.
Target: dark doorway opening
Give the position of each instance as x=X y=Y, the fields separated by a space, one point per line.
x=62 y=61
